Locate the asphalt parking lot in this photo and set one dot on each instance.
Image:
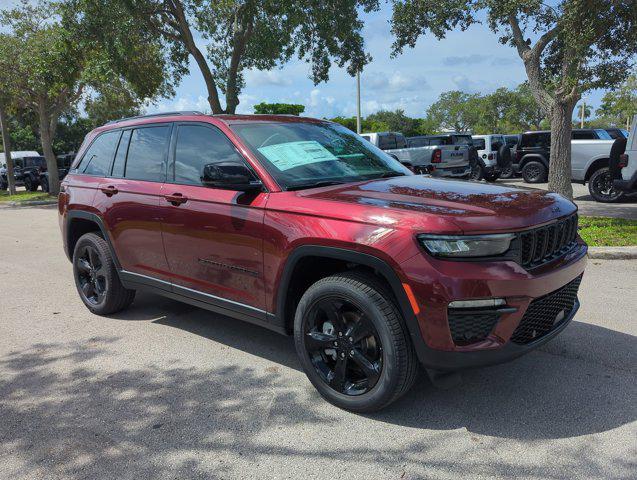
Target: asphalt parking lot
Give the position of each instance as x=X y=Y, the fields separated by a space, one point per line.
x=165 y=390
x=626 y=208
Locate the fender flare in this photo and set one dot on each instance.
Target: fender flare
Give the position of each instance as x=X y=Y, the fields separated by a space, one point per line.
x=533 y=157
x=378 y=264
x=83 y=215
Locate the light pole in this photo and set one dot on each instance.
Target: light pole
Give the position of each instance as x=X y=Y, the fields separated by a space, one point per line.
x=358 y=102
x=582 y=113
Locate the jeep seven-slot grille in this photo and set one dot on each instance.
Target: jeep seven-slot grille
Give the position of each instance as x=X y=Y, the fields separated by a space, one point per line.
x=542 y=244
x=546 y=312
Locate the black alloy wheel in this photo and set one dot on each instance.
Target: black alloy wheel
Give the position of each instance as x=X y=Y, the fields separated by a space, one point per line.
x=534 y=172
x=600 y=186
x=352 y=342
x=343 y=345
x=91 y=275
x=96 y=276
x=507 y=172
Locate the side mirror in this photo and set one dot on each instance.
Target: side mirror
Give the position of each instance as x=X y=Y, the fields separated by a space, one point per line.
x=230 y=176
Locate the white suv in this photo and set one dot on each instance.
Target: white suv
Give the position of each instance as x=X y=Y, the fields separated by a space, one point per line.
x=490 y=165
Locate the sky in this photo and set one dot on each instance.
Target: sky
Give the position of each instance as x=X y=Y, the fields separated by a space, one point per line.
x=473 y=61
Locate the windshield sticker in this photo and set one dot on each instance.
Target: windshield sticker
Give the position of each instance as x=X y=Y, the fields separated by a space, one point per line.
x=285 y=156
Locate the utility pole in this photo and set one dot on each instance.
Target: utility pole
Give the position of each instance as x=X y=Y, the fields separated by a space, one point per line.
x=583 y=107
x=358 y=102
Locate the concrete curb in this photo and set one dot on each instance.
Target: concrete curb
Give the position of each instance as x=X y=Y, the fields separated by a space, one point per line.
x=613 y=253
x=33 y=203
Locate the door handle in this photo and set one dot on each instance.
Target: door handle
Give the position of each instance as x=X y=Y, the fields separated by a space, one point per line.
x=176 y=199
x=109 y=191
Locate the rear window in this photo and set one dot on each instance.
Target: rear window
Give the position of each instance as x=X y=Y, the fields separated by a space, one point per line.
x=147 y=154
x=97 y=159
x=479 y=143
x=603 y=134
x=387 y=142
x=35 y=162
x=542 y=139
x=462 y=140
x=583 y=135
x=417 y=142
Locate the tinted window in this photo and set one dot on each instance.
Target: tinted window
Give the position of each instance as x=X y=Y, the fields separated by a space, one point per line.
x=462 y=140
x=511 y=140
x=400 y=141
x=386 y=142
x=479 y=144
x=97 y=159
x=146 y=154
x=35 y=162
x=198 y=146
x=366 y=137
x=417 y=142
x=583 y=135
x=536 y=139
x=120 y=157
x=603 y=134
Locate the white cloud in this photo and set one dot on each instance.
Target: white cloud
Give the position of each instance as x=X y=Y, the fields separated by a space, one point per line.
x=396 y=82
x=261 y=78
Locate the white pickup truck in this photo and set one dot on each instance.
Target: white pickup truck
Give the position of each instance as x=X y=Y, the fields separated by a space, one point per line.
x=624 y=175
x=438 y=160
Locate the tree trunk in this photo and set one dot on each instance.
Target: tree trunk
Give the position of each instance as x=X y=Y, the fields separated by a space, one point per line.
x=560 y=163
x=6 y=141
x=241 y=38
x=46 y=139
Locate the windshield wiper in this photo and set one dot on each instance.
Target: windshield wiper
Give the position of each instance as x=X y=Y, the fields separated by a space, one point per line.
x=388 y=175
x=323 y=183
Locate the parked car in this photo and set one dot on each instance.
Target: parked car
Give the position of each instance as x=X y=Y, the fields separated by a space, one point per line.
x=589 y=164
x=623 y=163
x=617 y=133
x=301 y=226
x=532 y=155
x=27 y=167
x=64 y=163
x=438 y=160
x=493 y=156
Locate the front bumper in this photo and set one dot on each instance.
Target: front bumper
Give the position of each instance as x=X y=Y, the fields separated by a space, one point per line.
x=436 y=283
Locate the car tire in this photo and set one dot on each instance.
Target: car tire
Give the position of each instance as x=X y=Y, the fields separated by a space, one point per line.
x=534 y=172
x=96 y=276
x=507 y=173
x=44 y=183
x=357 y=374
x=600 y=186
x=30 y=185
x=3 y=185
x=477 y=172
x=491 y=177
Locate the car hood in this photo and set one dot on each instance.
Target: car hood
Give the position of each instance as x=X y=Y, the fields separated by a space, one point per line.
x=471 y=206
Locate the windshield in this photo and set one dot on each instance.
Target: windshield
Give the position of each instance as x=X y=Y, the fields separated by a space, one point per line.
x=302 y=155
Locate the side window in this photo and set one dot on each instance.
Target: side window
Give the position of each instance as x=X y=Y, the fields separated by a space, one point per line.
x=147 y=153
x=97 y=159
x=386 y=142
x=198 y=146
x=120 y=157
x=583 y=136
x=401 y=142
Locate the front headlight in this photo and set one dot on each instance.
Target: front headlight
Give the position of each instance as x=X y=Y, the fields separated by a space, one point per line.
x=463 y=246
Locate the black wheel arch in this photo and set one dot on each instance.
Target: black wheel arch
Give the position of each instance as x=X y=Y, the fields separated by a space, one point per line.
x=533 y=157
x=284 y=316
x=593 y=167
x=79 y=222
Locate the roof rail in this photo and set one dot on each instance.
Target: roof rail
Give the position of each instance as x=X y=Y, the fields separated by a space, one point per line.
x=151 y=115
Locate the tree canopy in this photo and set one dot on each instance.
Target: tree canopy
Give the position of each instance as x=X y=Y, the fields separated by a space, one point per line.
x=567 y=47
x=279 y=108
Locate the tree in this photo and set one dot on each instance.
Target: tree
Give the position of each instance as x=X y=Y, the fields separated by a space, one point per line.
x=455 y=110
x=245 y=34
x=395 y=121
x=279 y=108
x=578 y=113
x=57 y=62
x=7 y=100
x=568 y=47
x=621 y=104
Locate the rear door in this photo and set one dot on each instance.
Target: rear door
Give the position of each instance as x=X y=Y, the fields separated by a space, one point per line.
x=213 y=237
x=129 y=200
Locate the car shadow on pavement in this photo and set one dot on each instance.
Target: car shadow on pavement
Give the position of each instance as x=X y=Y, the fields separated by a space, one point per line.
x=69 y=410
x=582 y=382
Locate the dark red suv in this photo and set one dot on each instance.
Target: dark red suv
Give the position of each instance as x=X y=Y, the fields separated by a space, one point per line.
x=303 y=227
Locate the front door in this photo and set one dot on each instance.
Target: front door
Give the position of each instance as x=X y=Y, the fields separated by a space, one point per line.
x=212 y=237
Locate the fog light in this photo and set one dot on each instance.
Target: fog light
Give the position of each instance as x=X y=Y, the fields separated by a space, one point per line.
x=485 y=303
